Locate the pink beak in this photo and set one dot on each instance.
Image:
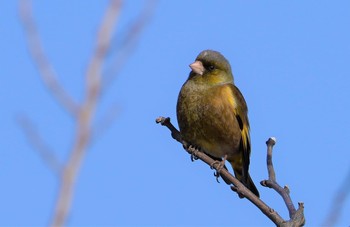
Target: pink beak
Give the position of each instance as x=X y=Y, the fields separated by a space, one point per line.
x=197 y=67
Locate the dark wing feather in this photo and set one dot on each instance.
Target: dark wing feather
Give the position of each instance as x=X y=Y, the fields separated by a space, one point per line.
x=241 y=113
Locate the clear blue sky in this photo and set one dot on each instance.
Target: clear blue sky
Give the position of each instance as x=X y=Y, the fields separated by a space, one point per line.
x=290 y=60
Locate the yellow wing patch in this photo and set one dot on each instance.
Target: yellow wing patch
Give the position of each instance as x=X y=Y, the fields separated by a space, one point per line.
x=245 y=138
x=228 y=93
x=241 y=115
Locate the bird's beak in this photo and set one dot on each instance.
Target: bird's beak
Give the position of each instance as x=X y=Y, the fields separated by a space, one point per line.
x=197 y=67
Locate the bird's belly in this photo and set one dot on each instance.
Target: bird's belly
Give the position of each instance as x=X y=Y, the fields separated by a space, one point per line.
x=217 y=140
x=210 y=123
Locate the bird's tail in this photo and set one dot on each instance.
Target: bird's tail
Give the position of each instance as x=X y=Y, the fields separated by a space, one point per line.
x=248 y=182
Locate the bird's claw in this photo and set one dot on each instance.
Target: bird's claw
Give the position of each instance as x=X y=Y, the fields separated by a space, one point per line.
x=217 y=175
x=193 y=157
x=218 y=166
x=193 y=151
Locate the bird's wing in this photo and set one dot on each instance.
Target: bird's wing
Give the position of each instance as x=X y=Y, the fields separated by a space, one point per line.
x=241 y=113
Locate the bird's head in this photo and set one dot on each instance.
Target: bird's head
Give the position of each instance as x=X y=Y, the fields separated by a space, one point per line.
x=211 y=68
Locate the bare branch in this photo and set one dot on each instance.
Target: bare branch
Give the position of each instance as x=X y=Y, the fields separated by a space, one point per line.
x=165 y=121
x=86 y=115
x=272 y=183
x=338 y=202
x=94 y=70
x=297 y=218
x=84 y=112
x=45 y=152
x=128 y=44
x=270 y=170
x=46 y=70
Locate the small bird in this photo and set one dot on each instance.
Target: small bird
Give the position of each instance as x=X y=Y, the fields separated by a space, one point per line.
x=212 y=114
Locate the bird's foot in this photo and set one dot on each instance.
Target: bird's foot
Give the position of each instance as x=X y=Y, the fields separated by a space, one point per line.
x=193 y=150
x=218 y=166
x=217 y=175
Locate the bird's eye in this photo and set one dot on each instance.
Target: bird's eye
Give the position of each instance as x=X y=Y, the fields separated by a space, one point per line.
x=211 y=67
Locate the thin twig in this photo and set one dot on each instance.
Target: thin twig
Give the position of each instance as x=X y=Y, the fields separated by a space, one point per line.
x=238 y=186
x=85 y=112
x=271 y=171
x=174 y=132
x=128 y=44
x=46 y=70
x=338 y=202
x=296 y=216
x=45 y=152
x=86 y=115
x=272 y=183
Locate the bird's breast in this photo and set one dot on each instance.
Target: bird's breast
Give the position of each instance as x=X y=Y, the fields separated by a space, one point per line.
x=206 y=119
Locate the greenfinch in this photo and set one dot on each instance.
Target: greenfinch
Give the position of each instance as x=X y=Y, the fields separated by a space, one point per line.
x=212 y=114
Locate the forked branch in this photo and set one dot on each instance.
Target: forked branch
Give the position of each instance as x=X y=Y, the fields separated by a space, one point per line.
x=83 y=112
x=296 y=216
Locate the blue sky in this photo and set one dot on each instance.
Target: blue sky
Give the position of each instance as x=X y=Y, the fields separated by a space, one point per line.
x=290 y=60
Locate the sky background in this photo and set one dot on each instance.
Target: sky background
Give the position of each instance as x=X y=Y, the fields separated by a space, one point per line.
x=290 y=60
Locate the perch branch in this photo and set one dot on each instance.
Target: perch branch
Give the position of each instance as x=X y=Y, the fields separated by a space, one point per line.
x=46 y=70
x=298 y=216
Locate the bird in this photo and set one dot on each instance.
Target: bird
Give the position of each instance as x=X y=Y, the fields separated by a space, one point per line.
x=212 y=114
